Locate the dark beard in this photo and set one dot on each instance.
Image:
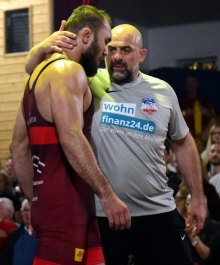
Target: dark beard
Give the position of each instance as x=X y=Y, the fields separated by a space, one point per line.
x=120 y=77
x=215 y=162
x=88 y=59
x=89 y=65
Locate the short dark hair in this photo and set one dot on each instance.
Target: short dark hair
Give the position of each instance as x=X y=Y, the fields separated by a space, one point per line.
x=87 y=16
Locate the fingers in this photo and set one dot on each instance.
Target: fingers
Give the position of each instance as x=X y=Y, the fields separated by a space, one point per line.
x=111 y=221
x=189 y=221
x=56 y=43
x=120 y=221
x=195 y=231
x=198 y=228
x=56 y=49
x=62 y=26
x=194 y=226
x=128 y=220
x=117 y=223
x=30 y=230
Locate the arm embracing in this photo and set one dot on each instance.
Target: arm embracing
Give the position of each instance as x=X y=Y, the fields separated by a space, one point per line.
x=54 y=43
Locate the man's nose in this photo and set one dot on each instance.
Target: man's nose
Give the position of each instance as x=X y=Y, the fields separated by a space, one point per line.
x=118 y=56
x=105 y=53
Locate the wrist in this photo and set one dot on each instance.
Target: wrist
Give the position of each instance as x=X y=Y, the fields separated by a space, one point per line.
x=195 y=241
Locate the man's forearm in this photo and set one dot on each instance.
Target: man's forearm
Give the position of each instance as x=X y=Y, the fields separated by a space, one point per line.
x=82 y=159
x=34 y=57
x=189 y=166
x=22 y=164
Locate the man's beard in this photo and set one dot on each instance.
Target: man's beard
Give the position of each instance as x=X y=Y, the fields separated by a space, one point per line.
x=215 y=162
x=88 y=61
x=120 y=77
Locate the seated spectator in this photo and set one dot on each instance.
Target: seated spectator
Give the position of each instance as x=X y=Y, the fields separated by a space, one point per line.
x=214 y=257
x=174 y=179
x=6 y=192
x=202 y=245
x=9 y=170
x=214 y=137
x=6 y=223
x=209 y=191
x=214 y=173
x=211 y=194
x=200 y=143
x=20 y=248
x=180 y=199
x=197 y=109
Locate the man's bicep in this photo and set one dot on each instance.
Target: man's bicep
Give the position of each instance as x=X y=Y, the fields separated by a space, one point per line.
x=34 y=57
x=20 y=135
x=67 y=105
x=20 y=139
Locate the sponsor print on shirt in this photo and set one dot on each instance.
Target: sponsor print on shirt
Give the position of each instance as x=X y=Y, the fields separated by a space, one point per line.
x=122 y=115
x=149 y=105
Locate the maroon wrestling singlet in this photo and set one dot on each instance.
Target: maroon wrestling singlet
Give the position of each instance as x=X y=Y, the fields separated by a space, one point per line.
x=63 y=208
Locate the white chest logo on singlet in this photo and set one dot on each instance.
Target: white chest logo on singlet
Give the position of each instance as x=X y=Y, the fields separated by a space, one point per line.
x=149 y=105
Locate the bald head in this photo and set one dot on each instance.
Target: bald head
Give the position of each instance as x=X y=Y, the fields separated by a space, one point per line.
x=125 y=53
x=127 y=31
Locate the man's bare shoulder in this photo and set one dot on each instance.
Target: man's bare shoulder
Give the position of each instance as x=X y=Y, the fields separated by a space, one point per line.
x=65 y=67
x=68 y=73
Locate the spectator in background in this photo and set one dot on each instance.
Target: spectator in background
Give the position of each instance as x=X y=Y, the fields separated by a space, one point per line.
x=214 y=137
x=6 y=223
x=214 y=173
x=180 y=199
x=197 y=110
x=21 y=246
x=6 y=191
x=174 y=179
x=205 y=241
x=209 y=191
x=212 y=196
x=9 y=170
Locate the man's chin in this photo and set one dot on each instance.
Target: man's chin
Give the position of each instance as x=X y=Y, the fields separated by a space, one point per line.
x=118 y=75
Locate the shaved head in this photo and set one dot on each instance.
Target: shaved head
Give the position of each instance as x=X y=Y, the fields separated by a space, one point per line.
x=128 y=31
x=125 y=53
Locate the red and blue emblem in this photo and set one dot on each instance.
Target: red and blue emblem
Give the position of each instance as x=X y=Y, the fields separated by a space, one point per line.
x=149 y=105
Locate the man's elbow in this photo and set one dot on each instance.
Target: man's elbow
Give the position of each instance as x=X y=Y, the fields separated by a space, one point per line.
x=28 y=69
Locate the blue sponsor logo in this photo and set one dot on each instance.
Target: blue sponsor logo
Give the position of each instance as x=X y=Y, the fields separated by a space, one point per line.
x=127 y=109
x=127 y=122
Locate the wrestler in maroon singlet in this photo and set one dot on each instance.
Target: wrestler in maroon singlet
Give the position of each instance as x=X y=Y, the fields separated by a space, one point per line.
x=63 y=209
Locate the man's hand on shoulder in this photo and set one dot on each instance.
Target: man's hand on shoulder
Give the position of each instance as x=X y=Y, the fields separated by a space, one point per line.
x=57 y=41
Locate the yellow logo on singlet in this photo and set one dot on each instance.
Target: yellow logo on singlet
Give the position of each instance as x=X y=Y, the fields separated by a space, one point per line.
x=79 y=254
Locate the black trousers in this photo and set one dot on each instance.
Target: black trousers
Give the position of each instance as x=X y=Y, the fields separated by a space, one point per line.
x=153 y=240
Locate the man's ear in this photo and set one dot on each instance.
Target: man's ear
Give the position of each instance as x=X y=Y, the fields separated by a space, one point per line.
x=143 y=54
x=87 y=35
